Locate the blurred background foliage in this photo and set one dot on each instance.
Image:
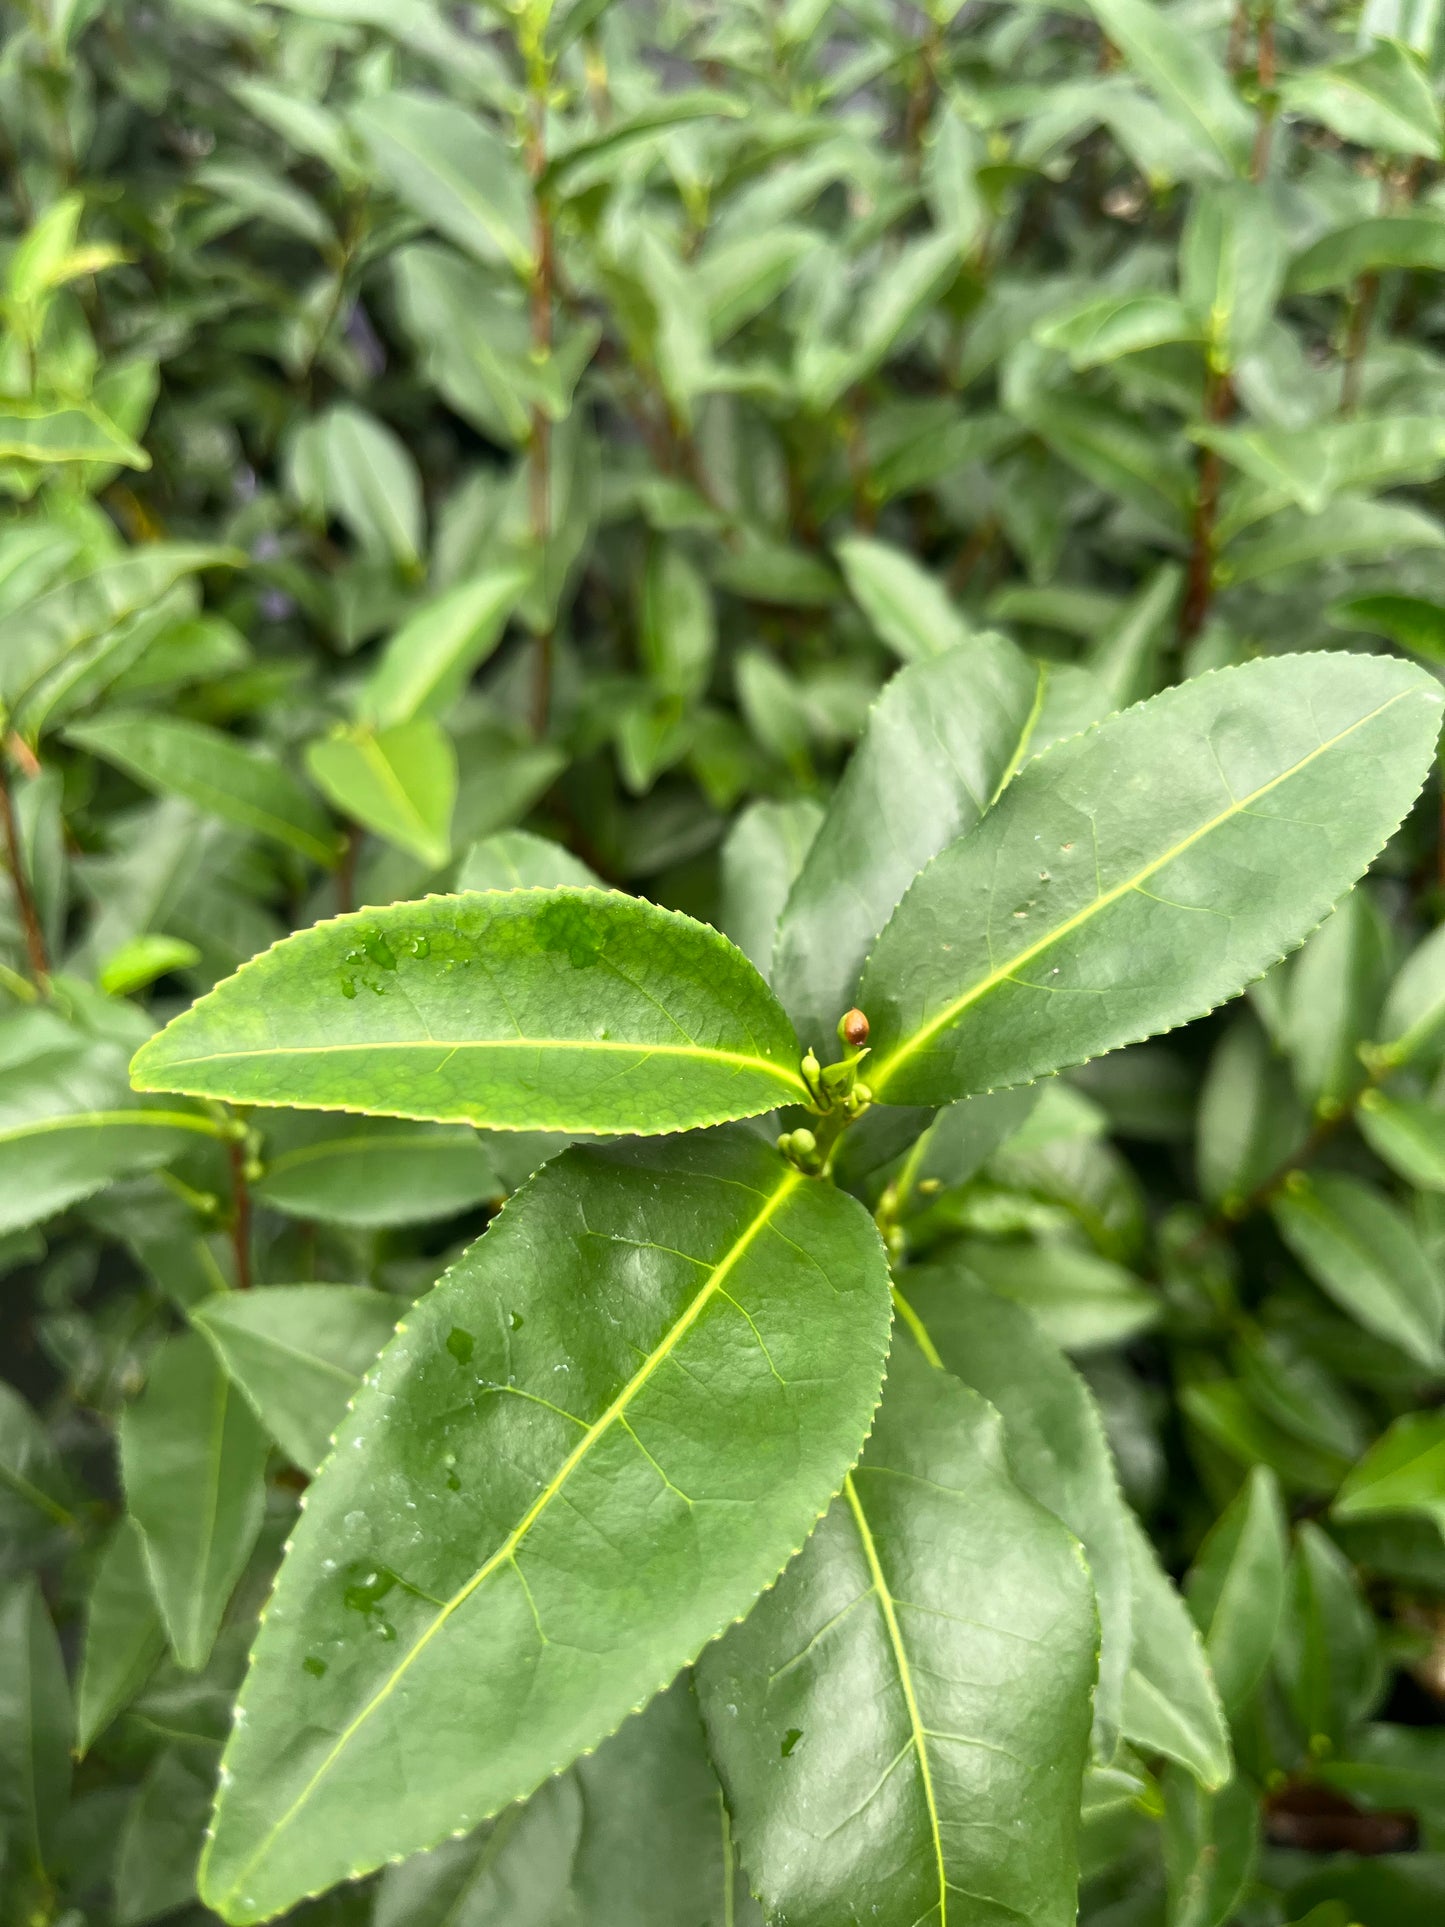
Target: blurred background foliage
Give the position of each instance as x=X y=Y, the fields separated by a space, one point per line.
x=455 y=446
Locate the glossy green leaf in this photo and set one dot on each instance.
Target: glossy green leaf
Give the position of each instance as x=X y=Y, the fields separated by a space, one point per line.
x=942 y=742
x=1170 y=1702
x=1053 y=1437
x=370 y=482
x=1409 y=1135
x=42 y=633
x=1364 y=247
x=1250 y=1115
x=678 y=631
x=64 y=431
x=192 y=1458
x=1329 y=1660
x=1211 y=1844
x=454 y=171
x=585 y=1012
x=1404 y=1471
x=1231 y=267
x=1363 y=1253
x=1332 y=999
x=155 y=1869
x=1349 y=527
x=900 y=1724
x=241 y=785
x=427 y=664
x=124 y=1636
x=1414 y=1013
x=32 y=1490
x=517 y=860
x=298 y=1352
x=906 y=607
x=1381 y=99
x=68 y=1129
x=570 y=1856
x=1104 y=327
x=1081 y=1300
x=1236 y=1585
x=583 y=1454
x=400 y=782
x=1414 y=622
x=1144 y=899
x=365 y=1172
x=35 y=1736
x=1180 y=68
x=1310 y=466
x=761 y=857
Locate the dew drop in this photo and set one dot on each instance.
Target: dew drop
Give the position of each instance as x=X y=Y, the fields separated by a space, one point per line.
x=314 y=1666
x=790 y=1740
x=460 y=1344
x=515 y=1320
x=348 y=986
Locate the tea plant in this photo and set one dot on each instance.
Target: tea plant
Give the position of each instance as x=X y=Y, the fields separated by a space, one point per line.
x=507 y=495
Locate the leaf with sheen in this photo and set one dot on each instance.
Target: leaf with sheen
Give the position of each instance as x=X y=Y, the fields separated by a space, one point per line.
x=564 y=1010
x=429 y=661
x=904 y=604
x=369 y=1172
x=64 y=431
x=192 y=1459
x=298 y=1352
x=400 y=782
x=1414 y=622
x=1053 y=1436
x=35 y=1735
x=174 y=757
x=1170 y=1702
x=518 y=860
x=1180 y=68
x=761 y=857
x=942 y=741
x=1364 y=247
x=583 y=1454
x=1138 y=875
x=454 y=171
x=1402 y=1472
x=1409 y=1135
x=900 y=1725
x=1364 y=1253
x=1235 y=1588
x=124 y=1636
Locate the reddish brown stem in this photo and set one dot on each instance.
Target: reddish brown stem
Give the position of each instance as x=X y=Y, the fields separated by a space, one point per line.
x=1362 y=313
x=1199 y=583
x=240 y=1212
x=1268 y=73
x=30 y=923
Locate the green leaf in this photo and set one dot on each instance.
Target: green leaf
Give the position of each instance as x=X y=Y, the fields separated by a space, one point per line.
x=900 y=1725
x=454 y=171
x=1250 y=1116
x=370 y=1172
x=220 y=775
x=35 y=1734
x=1127 y=657
x=371 y=483
x=1364 y=1254
x=586 y=1012
x=942 y=741
x=1081 y=1300
x=298 y=1352
x=1211 y=1843
x=678 y=631
x=1414 y=1012
x=64 y=431
x=1402 y=1472
x=141 y=960
x=1329 y=1661
x=1053 y=1436
x=1177 y=65
x=400 y=782
x=1311 y=466
x=124 y=1636
x=1235 y=1588
x=1333 y=992
x=1137 y=896
x=67 y=1130
x=1350 y=527
x=1119 y=452
x=1170 y=1703
x=155 y=1867
x=1339 y=258
x=428 y=662
x=1408 y=1134
x=1102 y=328
x=1414 y=622
x=583 y=1454
x=517 y=860
x=192 y=1459
x=906 y=607
x=761 y=857
x=31 y=1486
x=1231 y=268
x=51 y=628
x=1380 y=100
x=571 y=1852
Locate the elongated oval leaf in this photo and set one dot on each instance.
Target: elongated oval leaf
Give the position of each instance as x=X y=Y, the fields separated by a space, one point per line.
x=191 y=1457
x=298 y=1353
x=941 y=743
x=584 y=1453
x=400 y=782
x=1365 y=1254
x=900 y=1724
x=565 y=1010
x=454 y=171
x=241 y=785
x=124 y=1636
x=518 y=860
x=426 y=664
x=369 y=1172
x=1134 y=877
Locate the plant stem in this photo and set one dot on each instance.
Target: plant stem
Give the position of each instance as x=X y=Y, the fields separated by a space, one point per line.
x=1362 y=313
x=543 y=274
x=1199 y=585
x=1264 y=132
x=240 y=1212
x=30 y=923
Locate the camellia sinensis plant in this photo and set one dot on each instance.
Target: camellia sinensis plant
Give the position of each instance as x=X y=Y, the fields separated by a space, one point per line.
x=622 y=1434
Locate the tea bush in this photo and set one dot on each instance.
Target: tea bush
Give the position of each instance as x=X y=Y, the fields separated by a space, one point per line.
x=658 y=664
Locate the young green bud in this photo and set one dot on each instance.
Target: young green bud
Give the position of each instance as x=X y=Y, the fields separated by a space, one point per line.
x=805 y=1145
x=853 y=1029
x=810 y=1068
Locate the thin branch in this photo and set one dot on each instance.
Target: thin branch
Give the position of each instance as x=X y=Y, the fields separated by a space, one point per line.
x=35 y=948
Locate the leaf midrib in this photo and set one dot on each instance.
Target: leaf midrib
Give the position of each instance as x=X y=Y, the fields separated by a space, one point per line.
x=1003 y=972
x=917 y=1730
x=79 y=1120
x=742 y=1059
x=506 y=1552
